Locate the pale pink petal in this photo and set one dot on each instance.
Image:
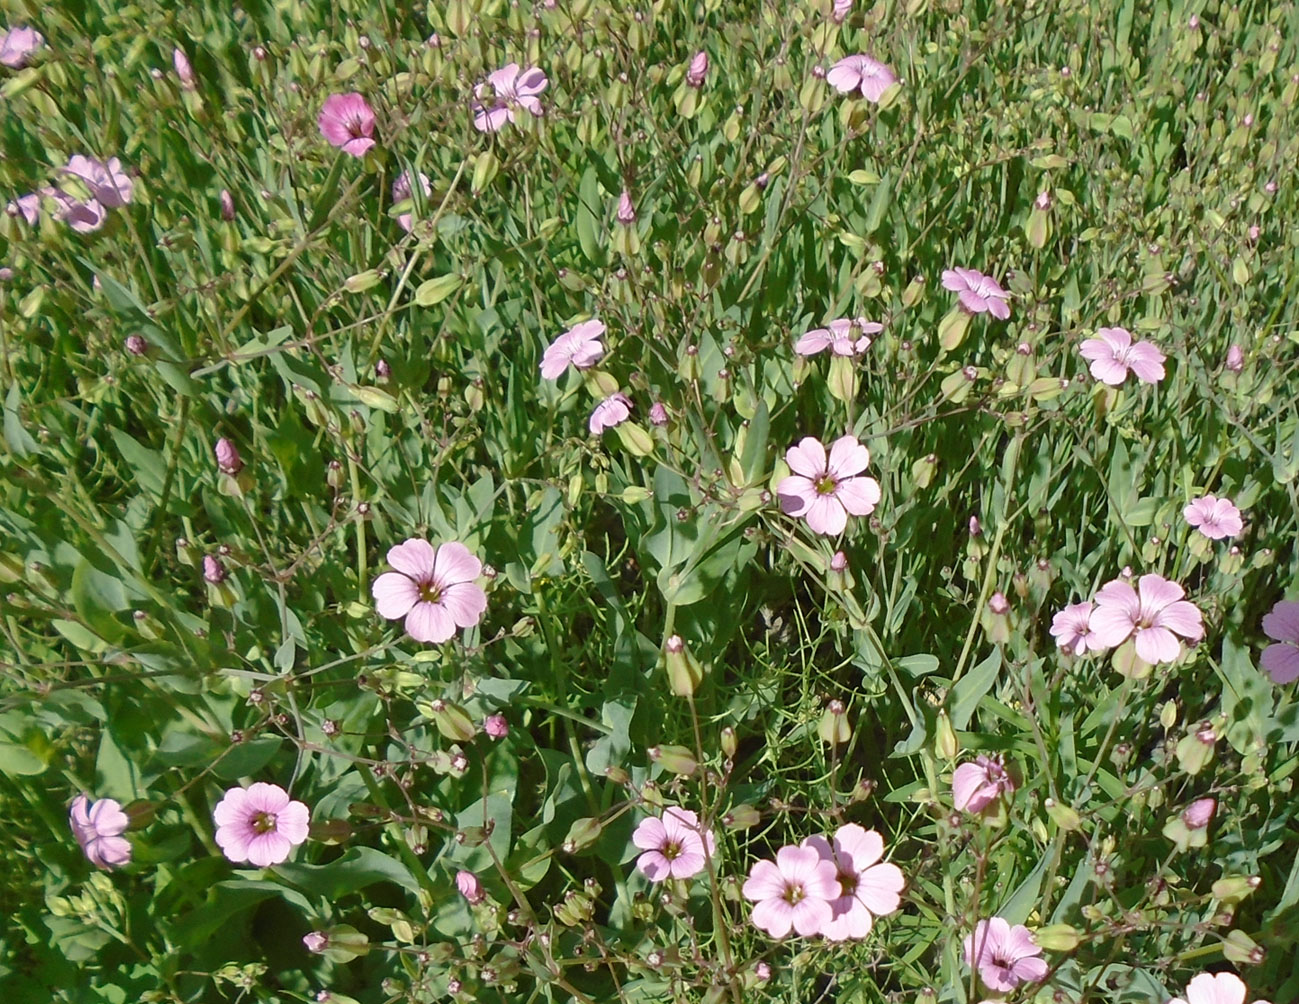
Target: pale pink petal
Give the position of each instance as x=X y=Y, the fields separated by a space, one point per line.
x=453 y=562
x=1111 y=626
x=1156 y=644
x=863 y=847
x=492 y=119
x=357 y=147
x=845 y=75
x=531 y=82
x=810 y=915
x=465 y=602
x=826 y=515
x=650 y=834
x=1216 y=988
x=796 y=493
x=774 y=916
x=954 y=281
x=1119 y=595
x=294 y=821
x=263 y=797
x=270 y=848
x=807 y=458
x=1147 y=362
x=1029 y=970
x=1183 y=618
x=108 y=818
x=858 y=496
x=430 y=622
x=1156 y=592
x=654 y=866
x=414 y=557
x=967 y=781
x=232 y=808
x=688 y=864
x=1118 y=339
x=394 y=595
x=847 y=457
x=765 y=882
x=998 y=308
x=879 y=888
x=972 y=301
x=817 y=340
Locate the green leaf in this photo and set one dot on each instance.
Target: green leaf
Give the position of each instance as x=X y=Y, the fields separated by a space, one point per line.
x=433 y=291
x=328 y=198
x=358 y=868
x=970 y=689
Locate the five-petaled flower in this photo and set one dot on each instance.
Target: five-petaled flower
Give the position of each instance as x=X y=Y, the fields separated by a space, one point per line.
x=869 y=888
x=17 y=46
x=1113 y=354
x=861 y=72
x=1155 y=613
x=1281 y=660
x=1005 y=956
x=792 y=892
x=433 y=588
x=347 y=122
x=977 y=785
x=977 y=292
x=1214 y=517
x=675 y=846
x=579 y=346
x=505 y=89
x=107 y=181
x=260 y=824
x=845 y=336
x=402 y=191
x=98 y=828
x=613 y=410
x=1071 y=629
x=827 y=490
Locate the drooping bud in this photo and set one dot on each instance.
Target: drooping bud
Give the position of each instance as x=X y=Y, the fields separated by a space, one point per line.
x=184 y=72
x=742 y=817
x=1235 y=888
x=698 y=69
x=729 y=745
x=227 y=457
x=626 y=210
x=451 y=720
x=676 y=759
x=1235 y=359
x=838 y=561
x=1057 y=937
x=136 y=345
x=470 y=887
x=658 y=414
x=1198 y=814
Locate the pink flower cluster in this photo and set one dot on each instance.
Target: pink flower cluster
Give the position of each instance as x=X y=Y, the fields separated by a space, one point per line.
x=675 y=846
x=95 y=187
x=831 y=887
x=1153 y=616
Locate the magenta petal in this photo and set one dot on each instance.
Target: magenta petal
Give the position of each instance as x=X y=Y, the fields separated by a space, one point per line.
x=357 y=147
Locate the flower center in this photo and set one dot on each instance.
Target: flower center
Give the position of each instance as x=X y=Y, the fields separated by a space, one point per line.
x=848 y=882
x=264 y=822
x=826 y=485
x=671 y=850
x=794 y=893
x=430 y=592
x=355 y=127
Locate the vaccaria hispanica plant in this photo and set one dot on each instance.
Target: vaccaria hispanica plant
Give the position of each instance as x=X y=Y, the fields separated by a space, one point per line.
x=649 y=502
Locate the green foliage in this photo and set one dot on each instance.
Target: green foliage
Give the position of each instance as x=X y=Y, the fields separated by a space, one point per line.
x=1110 y=163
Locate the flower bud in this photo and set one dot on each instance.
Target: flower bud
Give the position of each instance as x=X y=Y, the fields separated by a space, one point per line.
x=742 y=817
x=1063 y=816
x=946 y=745
x=227 y=205
x=676 y=759
x=1195 y=750
x=470 y=887
x=451 y=720
x=1235 y=888
x=496 y=726
x=838 y=562
x=227 y=457
x=833 y=727
x=213 y=571
x=626 y=211
x=684 y=671
x=729 y=744
x=184 y=71
x=136 y=345
x=316 y=941
x=1235 y=361
x=582 y=834
x=1057 y=937
x=658 y=414
x=1198 y=814
x=1238 y=946
x=698 y=69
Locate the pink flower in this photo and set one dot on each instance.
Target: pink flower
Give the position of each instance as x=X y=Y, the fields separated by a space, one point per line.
x=505 y=89
x=227 y=457
x=847 y=336
x=698 y=69
x=976 y=785
x=977 y=292
x=1113 y=353
x=794 y=891
x=227 y=205
x=109 y=184
x=1198 y=814
x=1214 y=517
x=496 y=726
x=1071 y=628
x=99 y=830
x=213 y=571
x=1235 y=361
x=184 y=71
x=1154 y=613
x=840 y=12
x=1215 y=988
x=432 y=587
x=675 y=846
x=17 y=45
x=315 y=941
x=613 y=410
x=1005 y=956
x=401 y=191
x=27 y=206
x=470 y=887
x=626 y=211
x=868 y=888
x=862 y=72
x=658 y=414
x=347 y=122
x=580 y=345
x=260 y=824
x=826 y=491
x=1281 y=661
x=998 y=604
x=83 y=217
x=838 y=562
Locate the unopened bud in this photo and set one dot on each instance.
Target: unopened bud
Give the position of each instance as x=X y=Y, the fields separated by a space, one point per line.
x=729 y=744
x=834 y=728
x=742 y=817
x=1057 y=937
x=684 y=672
x=227 y=457
x=946 y=745
x=676 y=759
